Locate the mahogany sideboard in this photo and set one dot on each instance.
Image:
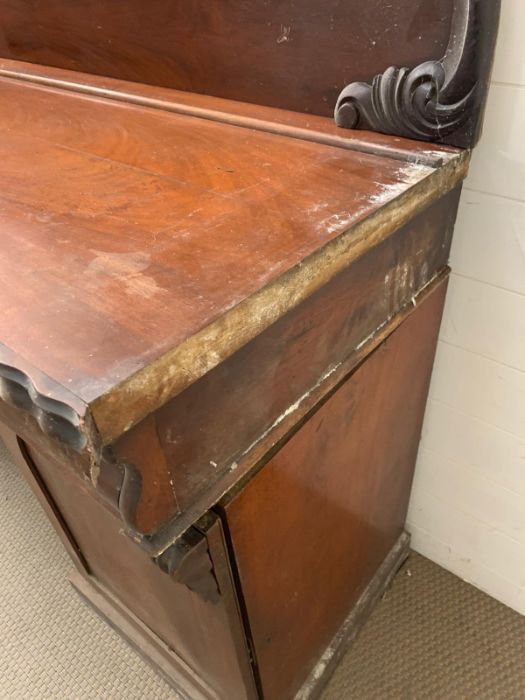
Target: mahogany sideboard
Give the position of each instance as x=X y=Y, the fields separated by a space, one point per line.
x=220 y=307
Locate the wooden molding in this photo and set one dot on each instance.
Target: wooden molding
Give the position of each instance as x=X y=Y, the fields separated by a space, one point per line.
x=55 y=418
x=185 y=557
x=309 y=127
x=188 y=561
x=439 y=101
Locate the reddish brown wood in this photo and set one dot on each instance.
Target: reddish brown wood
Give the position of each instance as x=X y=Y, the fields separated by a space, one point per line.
x=25 y=466
x=215 y=307
x=254 y=388
x=287 y=123
x=311 y=528
x=159 y=655
x=208 y=637
x=127 y=231
x=280 y=53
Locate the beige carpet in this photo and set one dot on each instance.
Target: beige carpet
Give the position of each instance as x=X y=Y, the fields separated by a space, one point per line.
x=432 y=637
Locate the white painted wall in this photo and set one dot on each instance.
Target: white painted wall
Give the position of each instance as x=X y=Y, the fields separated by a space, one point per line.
x=467 y=510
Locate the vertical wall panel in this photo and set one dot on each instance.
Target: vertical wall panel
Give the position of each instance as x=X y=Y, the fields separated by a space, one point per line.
x=467 y=508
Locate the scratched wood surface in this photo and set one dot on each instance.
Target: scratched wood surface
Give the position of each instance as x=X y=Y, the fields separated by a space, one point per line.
x=310 y=530
x=296 y=55
x=187 y=447
x=128 y=230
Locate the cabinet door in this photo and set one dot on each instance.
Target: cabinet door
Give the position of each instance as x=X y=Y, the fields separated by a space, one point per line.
x=309 y=531
x=198 y=644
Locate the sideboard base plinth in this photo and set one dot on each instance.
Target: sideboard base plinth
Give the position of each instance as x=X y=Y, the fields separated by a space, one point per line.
x=153 y=650
x=186 y=682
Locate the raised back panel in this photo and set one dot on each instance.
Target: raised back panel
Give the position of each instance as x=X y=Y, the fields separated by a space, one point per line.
x=294 y=54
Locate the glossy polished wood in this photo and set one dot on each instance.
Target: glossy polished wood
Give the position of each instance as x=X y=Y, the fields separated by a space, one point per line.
x=308 y=127
x=295 y=55
x=129 y=231
x=309 y=531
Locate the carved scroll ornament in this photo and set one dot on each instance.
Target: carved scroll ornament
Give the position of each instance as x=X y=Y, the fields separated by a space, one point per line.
x=437 y=101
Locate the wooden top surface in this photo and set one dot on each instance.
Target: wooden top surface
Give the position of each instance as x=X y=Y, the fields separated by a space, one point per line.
x=140 y=247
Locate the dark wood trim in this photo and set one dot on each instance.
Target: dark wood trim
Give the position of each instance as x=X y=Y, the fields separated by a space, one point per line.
x=55 y=418
x=58 y=413
x=188 y=561
x=185 y=558
x=438 y=101
x=231 y=595
x=220 y=512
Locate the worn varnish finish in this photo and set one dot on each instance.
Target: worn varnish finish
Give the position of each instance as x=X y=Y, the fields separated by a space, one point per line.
x=336 y=492
x=301 y=354
x=219 y=317
x=139 y=288
x=207 y=637
x=431 y=60
x=260 y=117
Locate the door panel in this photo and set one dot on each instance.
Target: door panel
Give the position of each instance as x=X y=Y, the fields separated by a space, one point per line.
x=310 y=530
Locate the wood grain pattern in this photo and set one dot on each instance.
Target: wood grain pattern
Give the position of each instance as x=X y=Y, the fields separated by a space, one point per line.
x=219 y=312
x=208 y=637
x=311 y=528
x=128 y=232
x=280 y=121
x=175 y=671
x=276 y=52
x=24 y=464
x=270 y=383
x=351 y=627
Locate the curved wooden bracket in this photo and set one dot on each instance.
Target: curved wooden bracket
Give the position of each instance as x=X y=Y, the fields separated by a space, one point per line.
x=186 y=559
x=440 y=101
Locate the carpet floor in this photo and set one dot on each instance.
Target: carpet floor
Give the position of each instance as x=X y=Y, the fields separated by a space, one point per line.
x=432 y=637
